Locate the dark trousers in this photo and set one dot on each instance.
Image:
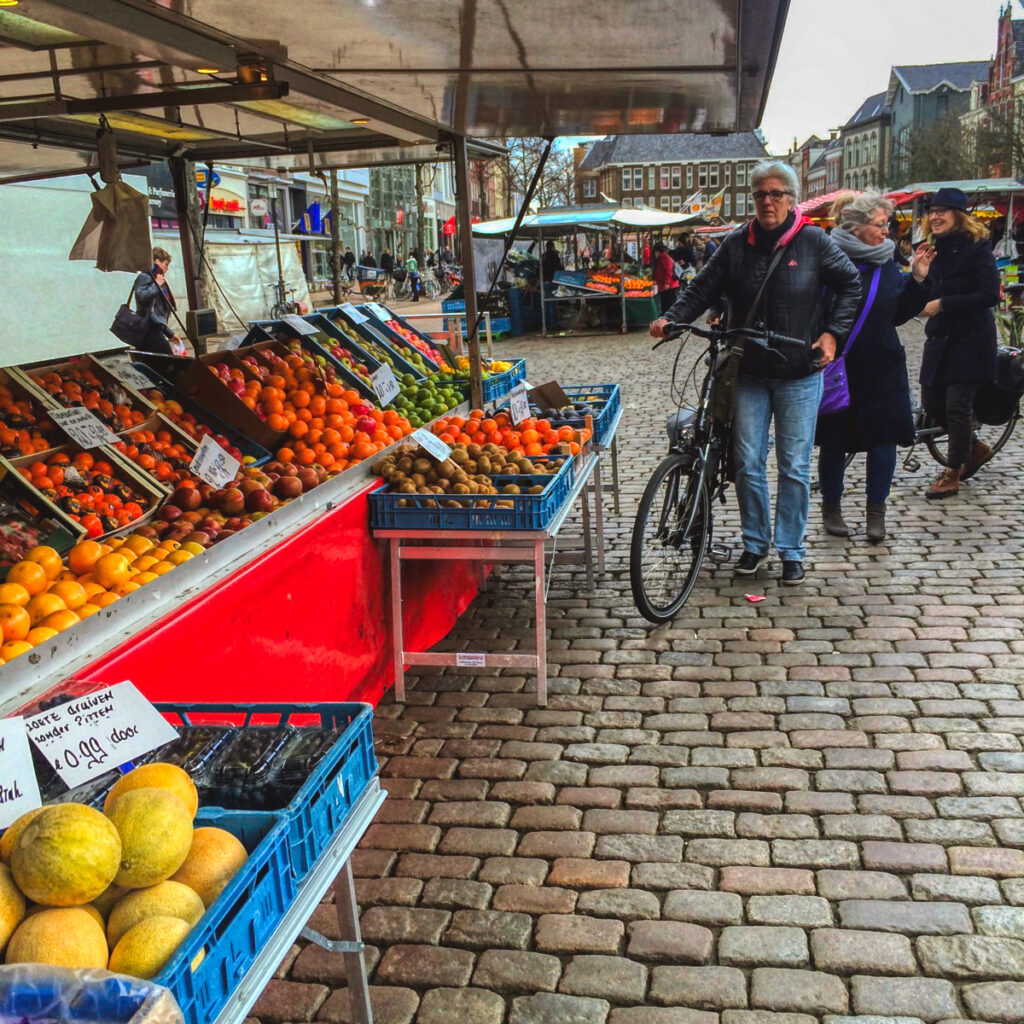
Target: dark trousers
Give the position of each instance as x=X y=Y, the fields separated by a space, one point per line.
x=155 y=340
x=667 y=298
x=881 y=469
x=952 y=405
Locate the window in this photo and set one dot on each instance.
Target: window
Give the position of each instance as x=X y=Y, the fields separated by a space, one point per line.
x=713 y=176
x=664 y=202
x=650 y=177
x=627 y=201
x=689 y=176
x=664 y=179
x=741 y=174
x=590 y=189
x=638 y=179
x=677 y=202
x=702 y=175
x=874 y=147
x=677 y=177
x=651 y=201
x=728 y=174
x=726 y=206
x=741 y=204
x=627 y=180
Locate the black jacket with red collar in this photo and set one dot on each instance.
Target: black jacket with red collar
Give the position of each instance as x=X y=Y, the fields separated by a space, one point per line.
x=795 y=301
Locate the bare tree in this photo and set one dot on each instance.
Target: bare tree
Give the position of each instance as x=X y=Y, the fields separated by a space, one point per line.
x=557 y=182
x=997 y=144
x=937 y=151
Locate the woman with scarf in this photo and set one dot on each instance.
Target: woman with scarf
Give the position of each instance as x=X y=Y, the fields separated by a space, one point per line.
x=879 y=416
x=154 y=300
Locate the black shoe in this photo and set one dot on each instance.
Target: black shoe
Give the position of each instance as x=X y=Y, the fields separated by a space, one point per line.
x=749 y=563
x=792 y=572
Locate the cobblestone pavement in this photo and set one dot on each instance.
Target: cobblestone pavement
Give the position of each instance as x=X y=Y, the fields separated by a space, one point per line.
x=806 y=809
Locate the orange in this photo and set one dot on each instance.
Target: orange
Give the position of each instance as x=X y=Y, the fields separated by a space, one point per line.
x=168 y=545
x=13 y=648
x=137 y=544
x=14 y=622
x=126 y=588
x=179 y=557
x=88 y=609
x=61 y=620
x=48 y=558
x=104 y=599
x=71 y=592
x=91 y=588
x=43 y=605
x=31 y=575
x=82 y=557
x=112 y=570
x=161 y=568
x=39 y=635
x=142 y=578
x=14 y=593
x=144 y=562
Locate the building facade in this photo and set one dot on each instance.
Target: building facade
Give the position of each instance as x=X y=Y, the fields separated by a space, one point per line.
x=662 y=171
x=865 y=142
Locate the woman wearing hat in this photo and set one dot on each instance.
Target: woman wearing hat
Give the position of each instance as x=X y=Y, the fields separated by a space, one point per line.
x=960 y=350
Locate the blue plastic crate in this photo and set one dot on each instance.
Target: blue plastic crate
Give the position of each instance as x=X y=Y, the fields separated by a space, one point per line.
x=498 y=385
x=316 y=813
x=607 y=403
x=476 y=511
x=245 y=445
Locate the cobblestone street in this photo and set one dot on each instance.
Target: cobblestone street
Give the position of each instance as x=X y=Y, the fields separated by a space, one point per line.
x=808 y=809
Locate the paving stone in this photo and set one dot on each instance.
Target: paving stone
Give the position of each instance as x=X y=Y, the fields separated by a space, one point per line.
x=673 y=876
x=968 y=889
x=579 y=873
x=427 y=865
x=546 y=818
x=766 y=881
x=556 y=844
x=663 y=849
x=422 y=966
x=564 y=933
x=775 y=826
x=908 y=918
x=745 y=800
x=776 y=988
x=423 y=838
x=930 y=999
x=700 y=823
x=455 y=893
x=702 y=988
x=372 y=892
x=947 y=832
x=906 y=857
x=403 y=924
x=718 y=852
x=896 y=805
x=610 y=977
x=514 y=870
x=516 y=971
x=525 y=794
x=617 y=822
x=820 y=803
x=747 y=946
x=994 y=783
x=555 y=1008
x=535 y=899
x=485 y=929
x=389 y=1004
x=675 y=941
x=1009 y=832
x=868 y=885
x=1007 y=922
x=995 y=1001
x=625 y=904
x=924 y=783
x=991 y=861
x=815 y=853
x=971 y=956
x=766 y=1017
x=983 y=808
x=801 y=911
x=850 y=781
x=707 y=908
x=860 y=826
x=848 y=951
x=660 y=1015
x=466 y=1005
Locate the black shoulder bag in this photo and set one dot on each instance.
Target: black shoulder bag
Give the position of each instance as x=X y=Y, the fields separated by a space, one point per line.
x=129 y=326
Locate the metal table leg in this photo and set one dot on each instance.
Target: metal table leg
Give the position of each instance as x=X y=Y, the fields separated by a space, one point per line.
x=539 y=578
x=397 y=640
x=355 y=967
x=588 y=541
x=615 y=472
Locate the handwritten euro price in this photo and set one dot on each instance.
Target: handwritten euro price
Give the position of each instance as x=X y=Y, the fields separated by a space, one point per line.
x=214 y=465
x=82 y=427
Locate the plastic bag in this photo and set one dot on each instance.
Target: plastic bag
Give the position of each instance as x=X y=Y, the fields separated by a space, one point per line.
x=37 y=994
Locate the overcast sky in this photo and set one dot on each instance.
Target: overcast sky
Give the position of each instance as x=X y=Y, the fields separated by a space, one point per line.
x=837 y=53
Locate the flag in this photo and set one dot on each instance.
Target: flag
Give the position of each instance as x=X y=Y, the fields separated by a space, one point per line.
x=713 y=209
x=694 y=203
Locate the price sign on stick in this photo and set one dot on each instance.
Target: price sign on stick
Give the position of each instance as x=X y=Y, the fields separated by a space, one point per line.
x=384 y=383
x=353 y=314
x=214 y=465
x=379 y=311
x=95 y=733
x=297 y=324
x=127 y=373
x=430 y=443
x=82 y=427
x=19 y=790
x=519 y=404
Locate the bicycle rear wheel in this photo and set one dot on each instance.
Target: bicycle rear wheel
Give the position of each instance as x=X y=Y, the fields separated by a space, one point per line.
x=670 y=538
x=431 y=289
x=995 y=437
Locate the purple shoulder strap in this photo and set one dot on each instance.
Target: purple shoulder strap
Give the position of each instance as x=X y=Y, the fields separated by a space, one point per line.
x=868 y=303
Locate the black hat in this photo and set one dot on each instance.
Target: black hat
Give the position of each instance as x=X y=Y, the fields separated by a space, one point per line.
x=951 y=198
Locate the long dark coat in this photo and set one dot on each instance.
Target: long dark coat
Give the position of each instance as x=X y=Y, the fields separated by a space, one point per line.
x=876 y=367
x=961 y=342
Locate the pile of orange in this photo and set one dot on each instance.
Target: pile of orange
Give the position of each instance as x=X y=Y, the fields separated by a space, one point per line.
x=332 y=439
x=24 y=429
x=80 y=385
x=43 y=594
x=157 y=453
x=531 y=437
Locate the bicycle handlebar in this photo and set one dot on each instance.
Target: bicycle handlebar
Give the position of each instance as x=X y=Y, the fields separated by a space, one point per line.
x=766 y=339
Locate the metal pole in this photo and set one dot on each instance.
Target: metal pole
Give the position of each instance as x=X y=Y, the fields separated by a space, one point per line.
x=540 y=281
x=183 y=176
x=277 y=246
x=335 y=241
x=464 y=223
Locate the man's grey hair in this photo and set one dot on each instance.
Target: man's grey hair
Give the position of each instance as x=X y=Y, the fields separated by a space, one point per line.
x=776 y=169
x=858 y=211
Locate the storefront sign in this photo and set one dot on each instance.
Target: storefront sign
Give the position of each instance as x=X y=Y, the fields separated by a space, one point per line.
x=384 y=383
x=90 y=735
x=214 y=465
x=519 y=404
x=258 y=207
x=298 y=325
x=19 y=790
x=431 y=444
x=353 y=314
x=82 y=427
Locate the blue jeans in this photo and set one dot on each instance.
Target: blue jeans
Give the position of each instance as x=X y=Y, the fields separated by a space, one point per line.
x=881 y=469
x=794 y=405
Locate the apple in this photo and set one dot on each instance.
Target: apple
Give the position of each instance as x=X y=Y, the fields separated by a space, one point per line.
x=169 y=513
x=199 y=537
x=288 y=487
x=308 y=478
x=186 y=498
x=248 y=486
x=209 y=525
x=260 y=500
x=232 y=501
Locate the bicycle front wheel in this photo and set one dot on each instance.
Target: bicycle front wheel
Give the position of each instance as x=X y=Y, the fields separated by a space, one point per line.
x=402 y=289
x=278 y=310
x=431 y=289
x=995 y=437
x=670 y=538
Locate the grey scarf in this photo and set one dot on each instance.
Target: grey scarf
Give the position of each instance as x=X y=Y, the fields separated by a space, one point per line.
x=861 y=253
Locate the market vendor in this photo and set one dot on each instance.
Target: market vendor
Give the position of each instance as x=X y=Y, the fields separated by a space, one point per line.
x=550 y=262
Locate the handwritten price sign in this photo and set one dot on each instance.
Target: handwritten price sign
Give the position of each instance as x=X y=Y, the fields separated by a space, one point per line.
x=19 y=790
x=430 y=443
x=384 y=383
x=82 y=427
x=519 y=404
x=214 y=465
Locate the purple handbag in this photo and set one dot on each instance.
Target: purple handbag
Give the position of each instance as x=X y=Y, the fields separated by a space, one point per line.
x=835 y=394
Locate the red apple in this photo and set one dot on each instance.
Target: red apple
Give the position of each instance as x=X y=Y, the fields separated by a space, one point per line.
x=308 y=478
x=232 y=501
x=288 y=487
x=169 y=513
x=260 y=500
x=187 y=498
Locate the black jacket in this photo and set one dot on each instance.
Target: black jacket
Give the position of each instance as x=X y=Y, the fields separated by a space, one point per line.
x=876 y=368
x=793 y=302
x=961 y=338
x=153 y=301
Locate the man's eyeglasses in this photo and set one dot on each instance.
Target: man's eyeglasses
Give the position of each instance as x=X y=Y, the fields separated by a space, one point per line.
x=775 y=195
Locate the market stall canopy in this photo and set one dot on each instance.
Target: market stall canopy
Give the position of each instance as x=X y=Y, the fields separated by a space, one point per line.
x=820 y=205
x=974 y=187
x=556 y=223
x=231 y=82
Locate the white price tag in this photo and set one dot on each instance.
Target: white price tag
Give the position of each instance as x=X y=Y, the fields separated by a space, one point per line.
x=431 y=444
x=214 y=465
x=384 y=383
x=297 y=324
x=234 y=342
x=518 y=404
x=19 y=790
x=82 y=427
x=93 y=734
x=471 y=660
x=379 y=312
x=132 y=377
x=353 y=314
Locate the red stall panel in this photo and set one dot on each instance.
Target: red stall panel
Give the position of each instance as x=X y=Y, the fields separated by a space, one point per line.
x=306 y=621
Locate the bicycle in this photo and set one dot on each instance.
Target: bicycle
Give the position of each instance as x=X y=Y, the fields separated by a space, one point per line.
x=674 y=526
x=283 y=304
x=429 y=286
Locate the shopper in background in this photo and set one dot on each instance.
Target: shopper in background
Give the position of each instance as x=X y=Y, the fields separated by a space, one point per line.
x=154 y=300
x=786 y=386
x=684 y=252
x=665 y=277
x=550 y=262
x=960 y=349
x=710 y=248
x=387 y=261
x=412 y=266
x=879 y=416
x=367 y=259
x=349 y=259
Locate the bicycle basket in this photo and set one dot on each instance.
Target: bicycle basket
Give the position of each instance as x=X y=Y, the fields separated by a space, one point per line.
x=399 y=274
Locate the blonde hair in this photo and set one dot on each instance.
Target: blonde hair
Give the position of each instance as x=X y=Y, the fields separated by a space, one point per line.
x=851 y=211
x=161 y=254
x=970 y=226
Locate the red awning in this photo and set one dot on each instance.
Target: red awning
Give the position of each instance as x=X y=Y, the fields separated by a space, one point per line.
x=819 y=205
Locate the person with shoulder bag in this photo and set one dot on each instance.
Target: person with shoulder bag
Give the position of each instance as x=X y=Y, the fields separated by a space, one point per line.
x=960 y=350
x=771 y=274
x=873 y=413
x=154 y=301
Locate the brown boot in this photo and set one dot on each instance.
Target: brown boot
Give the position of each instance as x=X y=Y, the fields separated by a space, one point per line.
x=876 y=523
x=980 y=454
x=946 y=484
x=832 y=519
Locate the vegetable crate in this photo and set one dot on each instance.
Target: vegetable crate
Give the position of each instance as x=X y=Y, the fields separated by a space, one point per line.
x=499 y=324
x=332 y=779
x=498 y=385
x=476 y=511
x=606 y=400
